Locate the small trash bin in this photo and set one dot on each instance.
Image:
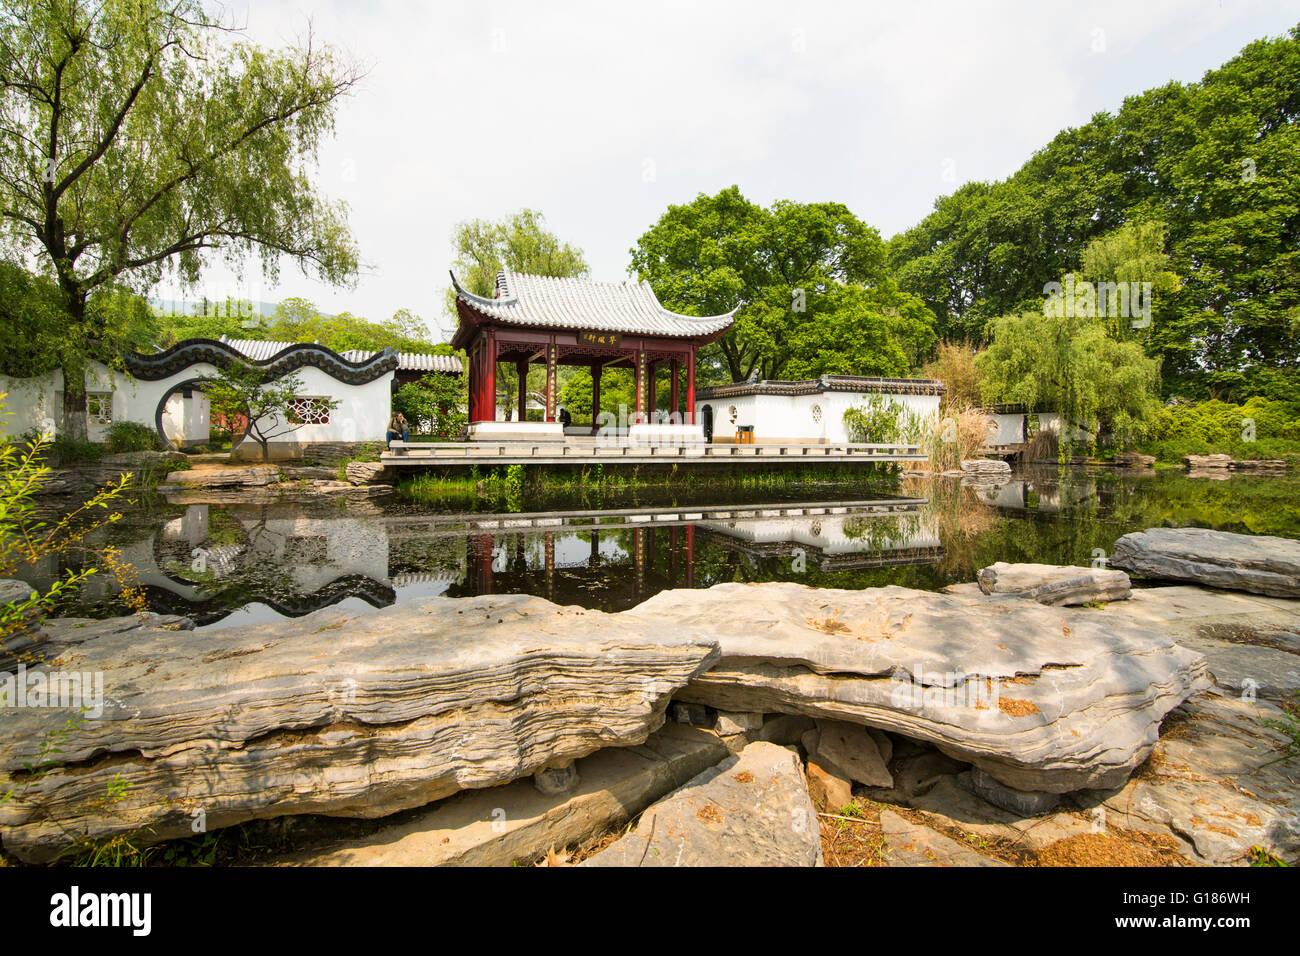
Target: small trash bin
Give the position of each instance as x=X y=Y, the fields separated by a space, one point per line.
x=744 y=434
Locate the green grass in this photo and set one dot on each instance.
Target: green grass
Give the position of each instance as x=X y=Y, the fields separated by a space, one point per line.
x=509 y=487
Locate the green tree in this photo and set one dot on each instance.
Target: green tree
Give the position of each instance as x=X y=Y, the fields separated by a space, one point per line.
x=1216 y=161
x=519 y=242
x=241 y=390
x=34 y=335
x=138 y=136
x=433 y=405
x=808 y=279
x=1070 y=365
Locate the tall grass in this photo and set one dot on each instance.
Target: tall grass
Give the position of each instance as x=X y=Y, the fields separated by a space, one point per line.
x=959 y=433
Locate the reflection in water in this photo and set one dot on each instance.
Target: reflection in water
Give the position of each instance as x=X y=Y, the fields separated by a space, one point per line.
x=236 y=564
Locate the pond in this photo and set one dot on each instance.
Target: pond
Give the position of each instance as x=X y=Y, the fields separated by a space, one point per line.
x=230 y=564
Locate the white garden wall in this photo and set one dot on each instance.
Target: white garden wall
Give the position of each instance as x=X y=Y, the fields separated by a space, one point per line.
x=37 y=403
x=817 y=417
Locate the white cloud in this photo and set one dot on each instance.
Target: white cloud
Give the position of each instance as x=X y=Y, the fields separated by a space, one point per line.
x=475 y=110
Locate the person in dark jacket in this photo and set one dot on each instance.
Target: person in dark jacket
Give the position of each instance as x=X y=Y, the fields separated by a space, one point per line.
x=396 y=429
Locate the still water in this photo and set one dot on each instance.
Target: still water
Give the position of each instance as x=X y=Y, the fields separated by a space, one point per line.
x=230 y=564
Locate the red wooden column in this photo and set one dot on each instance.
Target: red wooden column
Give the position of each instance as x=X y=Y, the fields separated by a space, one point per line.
x=690 y=388
x=550 y=382
x=639 y=383
x=676 y=367
x=490 y=377
x=595 y=395
x=650 y=402
x=521 y=370
x=471 y=359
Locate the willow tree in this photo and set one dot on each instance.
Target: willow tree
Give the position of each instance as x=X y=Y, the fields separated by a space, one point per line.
x=140 y=137
x=1071 y=365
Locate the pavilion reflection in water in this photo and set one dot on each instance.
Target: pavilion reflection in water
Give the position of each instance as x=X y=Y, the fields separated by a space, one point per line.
x=214 y=560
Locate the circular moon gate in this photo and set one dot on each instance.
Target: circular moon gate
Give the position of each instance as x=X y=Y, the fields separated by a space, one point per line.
x=195 y=385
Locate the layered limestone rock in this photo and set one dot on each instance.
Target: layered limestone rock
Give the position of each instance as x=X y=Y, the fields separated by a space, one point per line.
x=1221 y=785
x=363 y=472
x=253 y=477
x=334 y=713
x=986 y=467
x=752 y=809
x=85 y=476
x=1039 y=700
x=1054 y=584
x=503 y=825
x=1203 y=462
x=1259 y=564
x=913 y=844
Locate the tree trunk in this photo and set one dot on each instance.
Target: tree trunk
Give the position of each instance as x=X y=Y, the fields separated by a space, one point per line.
x=73 y=365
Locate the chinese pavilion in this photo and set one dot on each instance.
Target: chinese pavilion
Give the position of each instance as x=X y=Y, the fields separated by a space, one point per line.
x=564 y=321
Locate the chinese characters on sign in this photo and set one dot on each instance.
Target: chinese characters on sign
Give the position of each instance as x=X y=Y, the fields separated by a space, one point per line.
x=599 y=338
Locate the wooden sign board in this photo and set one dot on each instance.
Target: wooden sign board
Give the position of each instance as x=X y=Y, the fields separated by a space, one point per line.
x=600 y=338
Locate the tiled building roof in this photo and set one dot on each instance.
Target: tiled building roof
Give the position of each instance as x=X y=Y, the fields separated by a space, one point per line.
x=566 y=303
x=260 y=351
x=827 y=383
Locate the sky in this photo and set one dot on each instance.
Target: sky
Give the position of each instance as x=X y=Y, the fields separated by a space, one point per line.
x=600 y=115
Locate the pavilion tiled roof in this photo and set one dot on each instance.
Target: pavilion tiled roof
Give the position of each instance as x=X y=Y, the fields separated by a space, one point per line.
x=259 y=351
x=827 y=383
x=583 y=305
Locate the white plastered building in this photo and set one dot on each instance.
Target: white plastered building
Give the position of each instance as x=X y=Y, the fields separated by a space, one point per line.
x=809 y=411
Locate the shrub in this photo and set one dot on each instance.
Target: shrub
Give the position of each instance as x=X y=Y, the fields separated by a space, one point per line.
x=1259 y=428
x=65 y=450
x=28 y=537
x=882 y=421
x=133 y=436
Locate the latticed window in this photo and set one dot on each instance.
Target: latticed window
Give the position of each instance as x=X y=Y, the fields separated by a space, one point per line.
x=309 y=411
x=817 y=413
x=99 y=407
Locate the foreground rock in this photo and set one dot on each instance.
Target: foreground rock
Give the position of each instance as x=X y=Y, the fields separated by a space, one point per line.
x=1039 y=700
x=55 y=637
x=502 y=825
x=1219 y=784
x=1251 y=642
x=752 y=809
x=334 y=713
x=1240 y=562
x=1054 y=584
x=854 y=749
x=913 y=844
